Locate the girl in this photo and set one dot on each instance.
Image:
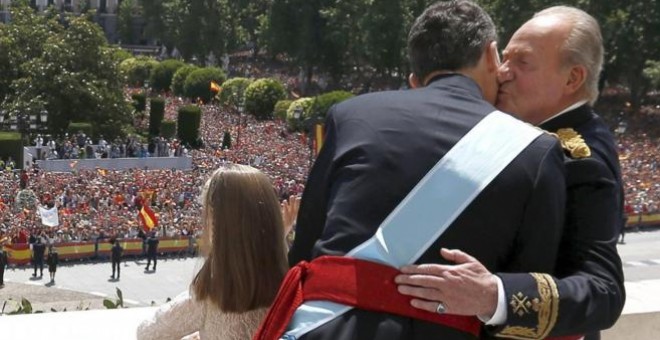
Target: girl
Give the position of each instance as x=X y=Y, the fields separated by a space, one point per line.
x=245 y=261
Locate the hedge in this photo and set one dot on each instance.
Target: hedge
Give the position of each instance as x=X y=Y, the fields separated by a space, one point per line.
x=305 y=104
x=137 y=70
x=198 y=83
x=162 y=74
x=226 y=140
x=156 y=115
x=139 y=101
x=281 y=107
x=179 y=79
x=233 y=91
x=75 y=127
x=168 y=129
x=11 y=145
x=188 y=122
x=261 y=97
x=324 y=102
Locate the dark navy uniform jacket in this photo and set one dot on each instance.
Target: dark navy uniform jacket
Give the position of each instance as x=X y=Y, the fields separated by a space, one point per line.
x=378 y=146
x=591 y=291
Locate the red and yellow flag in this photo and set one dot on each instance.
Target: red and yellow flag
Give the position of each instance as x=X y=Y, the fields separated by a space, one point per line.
x=215 y=88
x=148 y=218
x=319 y=134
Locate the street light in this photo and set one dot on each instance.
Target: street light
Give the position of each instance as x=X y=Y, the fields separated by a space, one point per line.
x=240 y=122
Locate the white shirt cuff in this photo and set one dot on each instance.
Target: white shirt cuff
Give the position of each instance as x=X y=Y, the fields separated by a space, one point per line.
x=499 y=317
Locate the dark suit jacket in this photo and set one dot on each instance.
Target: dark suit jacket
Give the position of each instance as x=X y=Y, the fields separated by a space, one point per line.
x=589 y=274
x=38 y=252
x=378 y=146
x=152 y=245
x=116 y=252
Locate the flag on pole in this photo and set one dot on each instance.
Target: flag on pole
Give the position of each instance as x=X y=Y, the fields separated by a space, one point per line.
x=215 y=88
x=318 y=138
x=49 y=217
x=148 y=218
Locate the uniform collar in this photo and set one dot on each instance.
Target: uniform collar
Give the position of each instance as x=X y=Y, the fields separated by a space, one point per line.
x=572 y=116
x=572 y=107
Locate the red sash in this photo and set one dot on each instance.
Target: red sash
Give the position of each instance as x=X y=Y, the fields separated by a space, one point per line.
x=349 y=281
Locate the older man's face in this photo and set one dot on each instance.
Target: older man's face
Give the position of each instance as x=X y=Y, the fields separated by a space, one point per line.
x=531 y=76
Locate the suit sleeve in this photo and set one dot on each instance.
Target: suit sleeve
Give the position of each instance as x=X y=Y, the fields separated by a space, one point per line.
x=536 y=249
x=313 y=206
x=589 y=275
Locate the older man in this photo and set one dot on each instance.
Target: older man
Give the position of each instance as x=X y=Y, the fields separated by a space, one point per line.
x=549 y=77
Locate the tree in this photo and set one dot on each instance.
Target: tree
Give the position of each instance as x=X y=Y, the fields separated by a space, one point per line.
x=71 y=72
x=125 y=20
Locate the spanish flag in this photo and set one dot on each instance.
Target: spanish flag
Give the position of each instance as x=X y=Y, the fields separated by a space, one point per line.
x=148 y=218
x=319 y=134
x=215 y=88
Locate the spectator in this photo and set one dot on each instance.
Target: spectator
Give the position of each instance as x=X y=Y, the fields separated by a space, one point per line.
x=245 y=260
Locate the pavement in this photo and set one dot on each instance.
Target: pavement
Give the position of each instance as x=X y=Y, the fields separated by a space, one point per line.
x=84 y=285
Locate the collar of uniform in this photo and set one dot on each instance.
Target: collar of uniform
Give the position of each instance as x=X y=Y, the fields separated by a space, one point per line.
x=573 y=116
x=456 y=81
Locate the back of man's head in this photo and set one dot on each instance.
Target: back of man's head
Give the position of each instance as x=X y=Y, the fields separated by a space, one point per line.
x=584 y=45
x=449 y=36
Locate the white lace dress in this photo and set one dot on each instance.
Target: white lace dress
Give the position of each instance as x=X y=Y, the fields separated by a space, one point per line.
x=184 y=315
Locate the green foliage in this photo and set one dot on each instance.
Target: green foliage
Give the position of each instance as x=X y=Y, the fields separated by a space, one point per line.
x=127 y=9
x=118 y=303
x=70 y=71
x=121 y=54
x=226 y=140
x=11 y=146
x=168 y=129
x=156 y=115
x=233 y=92
x=302 y=105
x=261 y=96
x=324 y=102
x=139 y=101
x=281 y=107
x=198 y=83
x=652 y=72
x=24 y=308
x=161 y=75
x=137 y=70
x=188 y=122
x=179 y=79
x=75 y=127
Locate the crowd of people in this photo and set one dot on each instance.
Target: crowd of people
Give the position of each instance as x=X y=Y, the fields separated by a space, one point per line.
x=640 y=160
x=103 y=204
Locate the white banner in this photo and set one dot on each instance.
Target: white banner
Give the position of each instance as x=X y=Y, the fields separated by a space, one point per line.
x=49 y=217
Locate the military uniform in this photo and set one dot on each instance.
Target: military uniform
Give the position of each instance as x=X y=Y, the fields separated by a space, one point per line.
x=586 y=290
x=378 y=146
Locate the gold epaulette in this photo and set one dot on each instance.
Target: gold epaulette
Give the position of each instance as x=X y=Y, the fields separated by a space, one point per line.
x=572 y=142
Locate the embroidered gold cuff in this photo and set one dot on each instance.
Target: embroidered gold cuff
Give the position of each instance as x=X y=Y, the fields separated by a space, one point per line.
x=545 y=306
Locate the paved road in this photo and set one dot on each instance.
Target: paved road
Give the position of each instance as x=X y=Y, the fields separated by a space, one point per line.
x=640 y=254
x=139 y=288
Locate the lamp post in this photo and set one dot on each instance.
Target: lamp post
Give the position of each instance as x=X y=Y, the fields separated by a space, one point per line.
x=297 y=114
x=239 y=107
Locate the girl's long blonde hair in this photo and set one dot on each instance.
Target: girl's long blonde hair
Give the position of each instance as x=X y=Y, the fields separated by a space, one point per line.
x=243 y=241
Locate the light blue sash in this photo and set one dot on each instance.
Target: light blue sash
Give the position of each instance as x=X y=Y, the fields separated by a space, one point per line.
x=432 y=205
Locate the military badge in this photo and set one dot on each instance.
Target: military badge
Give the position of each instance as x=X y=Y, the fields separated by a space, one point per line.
x=573 y=142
